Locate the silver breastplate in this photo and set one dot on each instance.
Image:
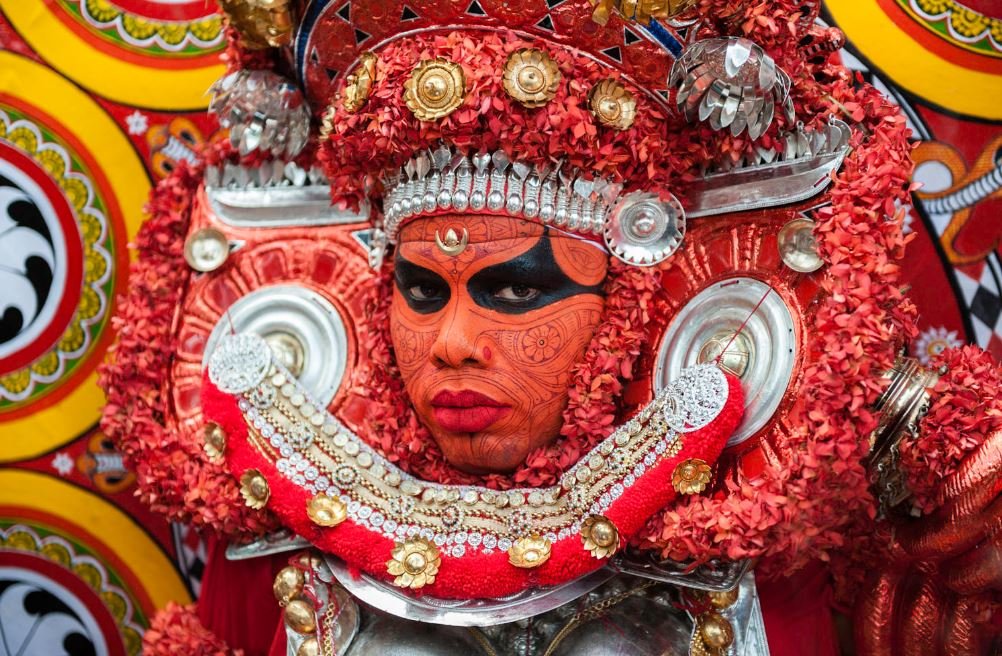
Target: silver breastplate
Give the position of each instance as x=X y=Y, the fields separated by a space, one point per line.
x=607 y=612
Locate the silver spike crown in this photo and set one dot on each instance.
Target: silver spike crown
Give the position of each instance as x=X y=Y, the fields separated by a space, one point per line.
x=441 y=180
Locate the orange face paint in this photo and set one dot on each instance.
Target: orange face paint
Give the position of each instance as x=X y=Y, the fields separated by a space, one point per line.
x=486 y=332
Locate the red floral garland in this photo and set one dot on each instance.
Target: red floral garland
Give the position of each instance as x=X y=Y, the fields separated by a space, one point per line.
x=819 y=499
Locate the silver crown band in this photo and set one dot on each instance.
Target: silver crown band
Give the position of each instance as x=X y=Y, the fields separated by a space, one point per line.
x=639 y=228
x=438 y=181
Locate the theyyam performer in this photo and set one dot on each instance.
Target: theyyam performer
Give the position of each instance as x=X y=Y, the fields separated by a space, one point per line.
x=553 y=327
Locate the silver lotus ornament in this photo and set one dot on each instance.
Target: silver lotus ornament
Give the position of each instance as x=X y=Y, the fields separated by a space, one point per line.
x=263 y=111
x=644 y=229
x=730 y=83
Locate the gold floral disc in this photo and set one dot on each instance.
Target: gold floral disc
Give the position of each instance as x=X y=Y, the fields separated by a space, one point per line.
x=326 y=511
x=531 y=77
x=254 y=489
x=435 y=89
x=612 y=104
x=359 y=83
x=600 y=536
x=691 y=476
x=529 y=552
x=414 y=563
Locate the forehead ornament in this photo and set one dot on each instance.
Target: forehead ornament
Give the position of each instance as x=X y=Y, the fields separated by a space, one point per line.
x=452 y=244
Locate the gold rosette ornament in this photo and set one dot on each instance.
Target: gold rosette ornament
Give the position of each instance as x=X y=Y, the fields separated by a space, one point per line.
x=529 y=552
x=691 y=476
x=359 y=83
x=414 y=563
x=435 y=89
x=613 y=104
x=600 y=536
x=254 y=489
x=326 y=511
x=531 y=77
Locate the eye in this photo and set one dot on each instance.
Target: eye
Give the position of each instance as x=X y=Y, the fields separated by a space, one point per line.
x=517 y=293
x=424 y=292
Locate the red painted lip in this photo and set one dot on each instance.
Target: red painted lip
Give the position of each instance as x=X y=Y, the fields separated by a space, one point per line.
x=466 y=411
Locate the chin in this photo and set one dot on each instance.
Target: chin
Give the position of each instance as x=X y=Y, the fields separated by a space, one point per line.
x=477 y=455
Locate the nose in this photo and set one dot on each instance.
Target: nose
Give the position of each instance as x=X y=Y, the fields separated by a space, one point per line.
x=456 y=343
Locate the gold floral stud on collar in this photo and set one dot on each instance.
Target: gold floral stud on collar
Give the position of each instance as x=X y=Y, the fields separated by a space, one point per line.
x=414 y=563
x=529 y=552
x=600 y=536
x=691 y=476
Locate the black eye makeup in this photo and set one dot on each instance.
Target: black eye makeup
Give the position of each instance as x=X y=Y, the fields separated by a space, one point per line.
x=528 y=282
x=424 y=290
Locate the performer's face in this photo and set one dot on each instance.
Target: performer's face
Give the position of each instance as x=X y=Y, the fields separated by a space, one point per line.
x=486 y=338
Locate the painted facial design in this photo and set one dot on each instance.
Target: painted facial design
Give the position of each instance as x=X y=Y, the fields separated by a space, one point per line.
x=486 y=334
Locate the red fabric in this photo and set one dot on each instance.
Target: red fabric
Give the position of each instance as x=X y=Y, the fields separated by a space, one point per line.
x=473 y=575
x=280 y=643
x=236 y=602
x=798 y=613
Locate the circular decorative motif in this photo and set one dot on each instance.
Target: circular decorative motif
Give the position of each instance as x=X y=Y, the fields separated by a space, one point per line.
x=215 y=441
x=300 y=616
x=435 y=89
x=531 y=77
x=797 y=246
x=894 y=45
x=206 y=249
x=57 y=293
x=644 y=229
x=70 y=176
x=770 y=339
x=254 y=489
x=613 y=104
x=288 y=584
x=691 y=476
x=326 y=511
x=599 y=536
x=81 y=590
x=529 y=552
x=281 y=313
x=149 y=53
x=358 y=85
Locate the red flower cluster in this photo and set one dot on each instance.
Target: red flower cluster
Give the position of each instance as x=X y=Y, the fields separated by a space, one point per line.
x=174 y=475
x=176 y=629
x=966 y=408
x=384 y=134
